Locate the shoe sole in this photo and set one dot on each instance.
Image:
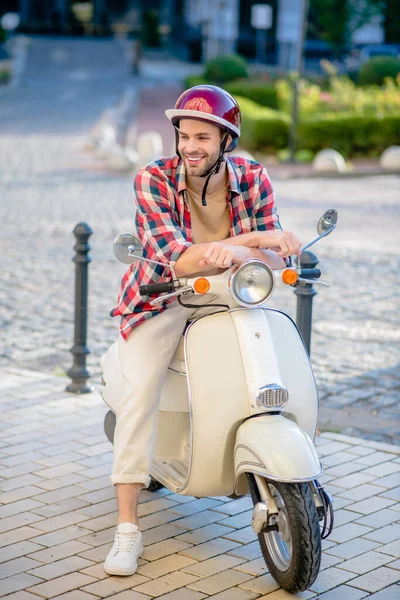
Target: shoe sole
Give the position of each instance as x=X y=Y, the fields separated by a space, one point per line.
x=122 y=572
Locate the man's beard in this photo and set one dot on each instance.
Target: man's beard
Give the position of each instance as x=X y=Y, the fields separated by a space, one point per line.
x=206 y=164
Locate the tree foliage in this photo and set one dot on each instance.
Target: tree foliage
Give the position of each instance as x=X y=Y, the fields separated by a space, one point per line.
x=336 y=20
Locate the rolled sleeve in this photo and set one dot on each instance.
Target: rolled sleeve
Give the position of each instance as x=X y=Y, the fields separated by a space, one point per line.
x=156 y=220
x=265 y=215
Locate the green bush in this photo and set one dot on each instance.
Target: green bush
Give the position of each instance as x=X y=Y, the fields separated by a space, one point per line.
x=263 y=128
x=261 y=93
x=376 y=69
x=226 y=68
x=350 y=134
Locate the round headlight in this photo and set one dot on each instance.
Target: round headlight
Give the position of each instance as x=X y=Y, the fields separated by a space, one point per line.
x=251 y=282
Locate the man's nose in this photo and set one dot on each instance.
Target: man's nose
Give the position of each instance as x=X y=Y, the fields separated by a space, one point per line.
x=191 y=146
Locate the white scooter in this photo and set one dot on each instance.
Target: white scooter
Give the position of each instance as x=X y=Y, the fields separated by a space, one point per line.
x=239 y=409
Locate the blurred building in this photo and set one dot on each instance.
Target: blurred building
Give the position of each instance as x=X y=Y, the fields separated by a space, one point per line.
x=193 y=29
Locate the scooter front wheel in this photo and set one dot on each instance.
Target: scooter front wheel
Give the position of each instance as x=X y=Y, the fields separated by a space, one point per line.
x=292 y=550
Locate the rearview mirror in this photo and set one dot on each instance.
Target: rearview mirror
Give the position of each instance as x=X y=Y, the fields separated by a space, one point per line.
x=127 y=248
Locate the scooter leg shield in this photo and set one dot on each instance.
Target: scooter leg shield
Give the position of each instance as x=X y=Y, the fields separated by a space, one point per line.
x=275 y=448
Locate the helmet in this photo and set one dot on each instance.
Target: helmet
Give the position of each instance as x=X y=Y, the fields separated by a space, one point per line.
x=208 y=103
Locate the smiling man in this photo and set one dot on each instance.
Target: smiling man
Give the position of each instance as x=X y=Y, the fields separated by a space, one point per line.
x=199 y=211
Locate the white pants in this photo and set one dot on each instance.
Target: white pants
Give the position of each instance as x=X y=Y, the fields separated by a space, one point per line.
x=144 y=361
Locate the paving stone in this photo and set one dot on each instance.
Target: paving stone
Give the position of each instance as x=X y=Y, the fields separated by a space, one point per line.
x=60 y=482
x=76 y=595
x=209 y=567
x=98 y=538
x=163 y=566
x=262 y=585
x=360 y=492
x=98 y=553
x=366 y=562
x=19 y=494
x=22 y=596
x=385 y=534
x=209 y=549
x=248 y=552
x=204 y=534
x=393 y=494
x=49 y=555
x=198 y=520
x=375 y=458
x=347 y=532
x=380 y=518
x=254 y=567
x=376 y=580
x=21 y=506
x=19 y=549
x=59 y=508
x=393 y=548
x=17 y=565
x=97 y=510
x=352 y=548
x=238 y=521
x=18 y=582
x=180 y=594
x=371 y=505
x=344 y=516
x=389 y=593
x=354 y=480
x=167 y=583
x=164 y=548
x=220 y=581
x=60 y=585
x=338 y=458
x=328 y=560
x=330 y=578
x=17 y=535
x=61 y=535
x=60 y=567
x=112 y=585
x=383 y=469
x=244 y=536
x=389 y=481
x=343 y=592
x=191 y=508
x=158 y=534
x=282 y=595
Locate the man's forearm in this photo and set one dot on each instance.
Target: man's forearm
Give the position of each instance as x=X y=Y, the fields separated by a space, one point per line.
x=188 y=262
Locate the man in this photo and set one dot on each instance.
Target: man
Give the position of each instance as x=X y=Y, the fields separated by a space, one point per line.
x=199 y=211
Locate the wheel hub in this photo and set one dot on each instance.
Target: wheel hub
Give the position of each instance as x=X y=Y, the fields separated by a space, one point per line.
x=283 y=527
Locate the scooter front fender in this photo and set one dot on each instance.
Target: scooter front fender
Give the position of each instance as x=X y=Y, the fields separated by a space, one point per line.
x=275 y=448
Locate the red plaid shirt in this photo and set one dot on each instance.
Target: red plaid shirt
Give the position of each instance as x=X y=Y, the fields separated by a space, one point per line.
x=163 y=225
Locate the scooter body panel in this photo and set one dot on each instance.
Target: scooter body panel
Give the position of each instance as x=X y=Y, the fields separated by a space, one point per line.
x=275 y=448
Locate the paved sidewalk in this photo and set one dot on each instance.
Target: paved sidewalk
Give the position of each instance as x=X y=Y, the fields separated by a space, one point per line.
x=58 y=514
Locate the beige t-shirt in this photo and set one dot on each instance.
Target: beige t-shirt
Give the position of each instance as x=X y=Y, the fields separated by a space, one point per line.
x=210 y=223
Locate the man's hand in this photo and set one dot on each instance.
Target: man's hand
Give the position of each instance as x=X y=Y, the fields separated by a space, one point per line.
x=224 y=256
x=284 y=243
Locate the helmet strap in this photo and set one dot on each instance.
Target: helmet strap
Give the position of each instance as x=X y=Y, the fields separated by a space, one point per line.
x=214 y=169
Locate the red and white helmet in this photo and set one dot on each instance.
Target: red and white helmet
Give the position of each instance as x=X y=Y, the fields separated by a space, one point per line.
x=208 y=103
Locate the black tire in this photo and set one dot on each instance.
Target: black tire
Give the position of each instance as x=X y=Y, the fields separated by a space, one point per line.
x=154 y=485
x=109 y=425
x=293 y=553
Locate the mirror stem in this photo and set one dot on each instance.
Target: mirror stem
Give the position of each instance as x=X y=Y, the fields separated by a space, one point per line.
x=154 y=262
x=327 y=232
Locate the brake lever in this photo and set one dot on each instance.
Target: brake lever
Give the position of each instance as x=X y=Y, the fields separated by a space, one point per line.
x=314 y=281
x=177 y=292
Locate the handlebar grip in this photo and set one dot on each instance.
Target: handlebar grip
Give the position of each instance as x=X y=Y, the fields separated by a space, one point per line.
x=156 y=288
x=310 y=273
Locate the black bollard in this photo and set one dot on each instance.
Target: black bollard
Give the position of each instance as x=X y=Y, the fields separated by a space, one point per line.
x=305 y=293
x=78 y=372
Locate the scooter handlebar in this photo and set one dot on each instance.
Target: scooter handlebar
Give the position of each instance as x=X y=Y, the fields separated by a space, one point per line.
x=156 y=288
x=310 y=273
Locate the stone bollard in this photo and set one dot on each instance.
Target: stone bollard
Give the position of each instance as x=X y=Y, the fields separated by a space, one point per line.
x=78 y=372
x=329 y=161
x=390 y=159
x=305 y=293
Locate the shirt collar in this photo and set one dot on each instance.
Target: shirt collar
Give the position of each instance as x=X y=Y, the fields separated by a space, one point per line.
x=233 y=176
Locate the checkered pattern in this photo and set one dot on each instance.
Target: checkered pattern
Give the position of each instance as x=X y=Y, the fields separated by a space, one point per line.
x=163 y=224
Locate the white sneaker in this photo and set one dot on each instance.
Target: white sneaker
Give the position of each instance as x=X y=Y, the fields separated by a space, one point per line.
x=128 y=546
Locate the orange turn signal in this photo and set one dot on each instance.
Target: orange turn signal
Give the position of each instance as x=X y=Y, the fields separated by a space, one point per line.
x=201 y=285
x=289 y=276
